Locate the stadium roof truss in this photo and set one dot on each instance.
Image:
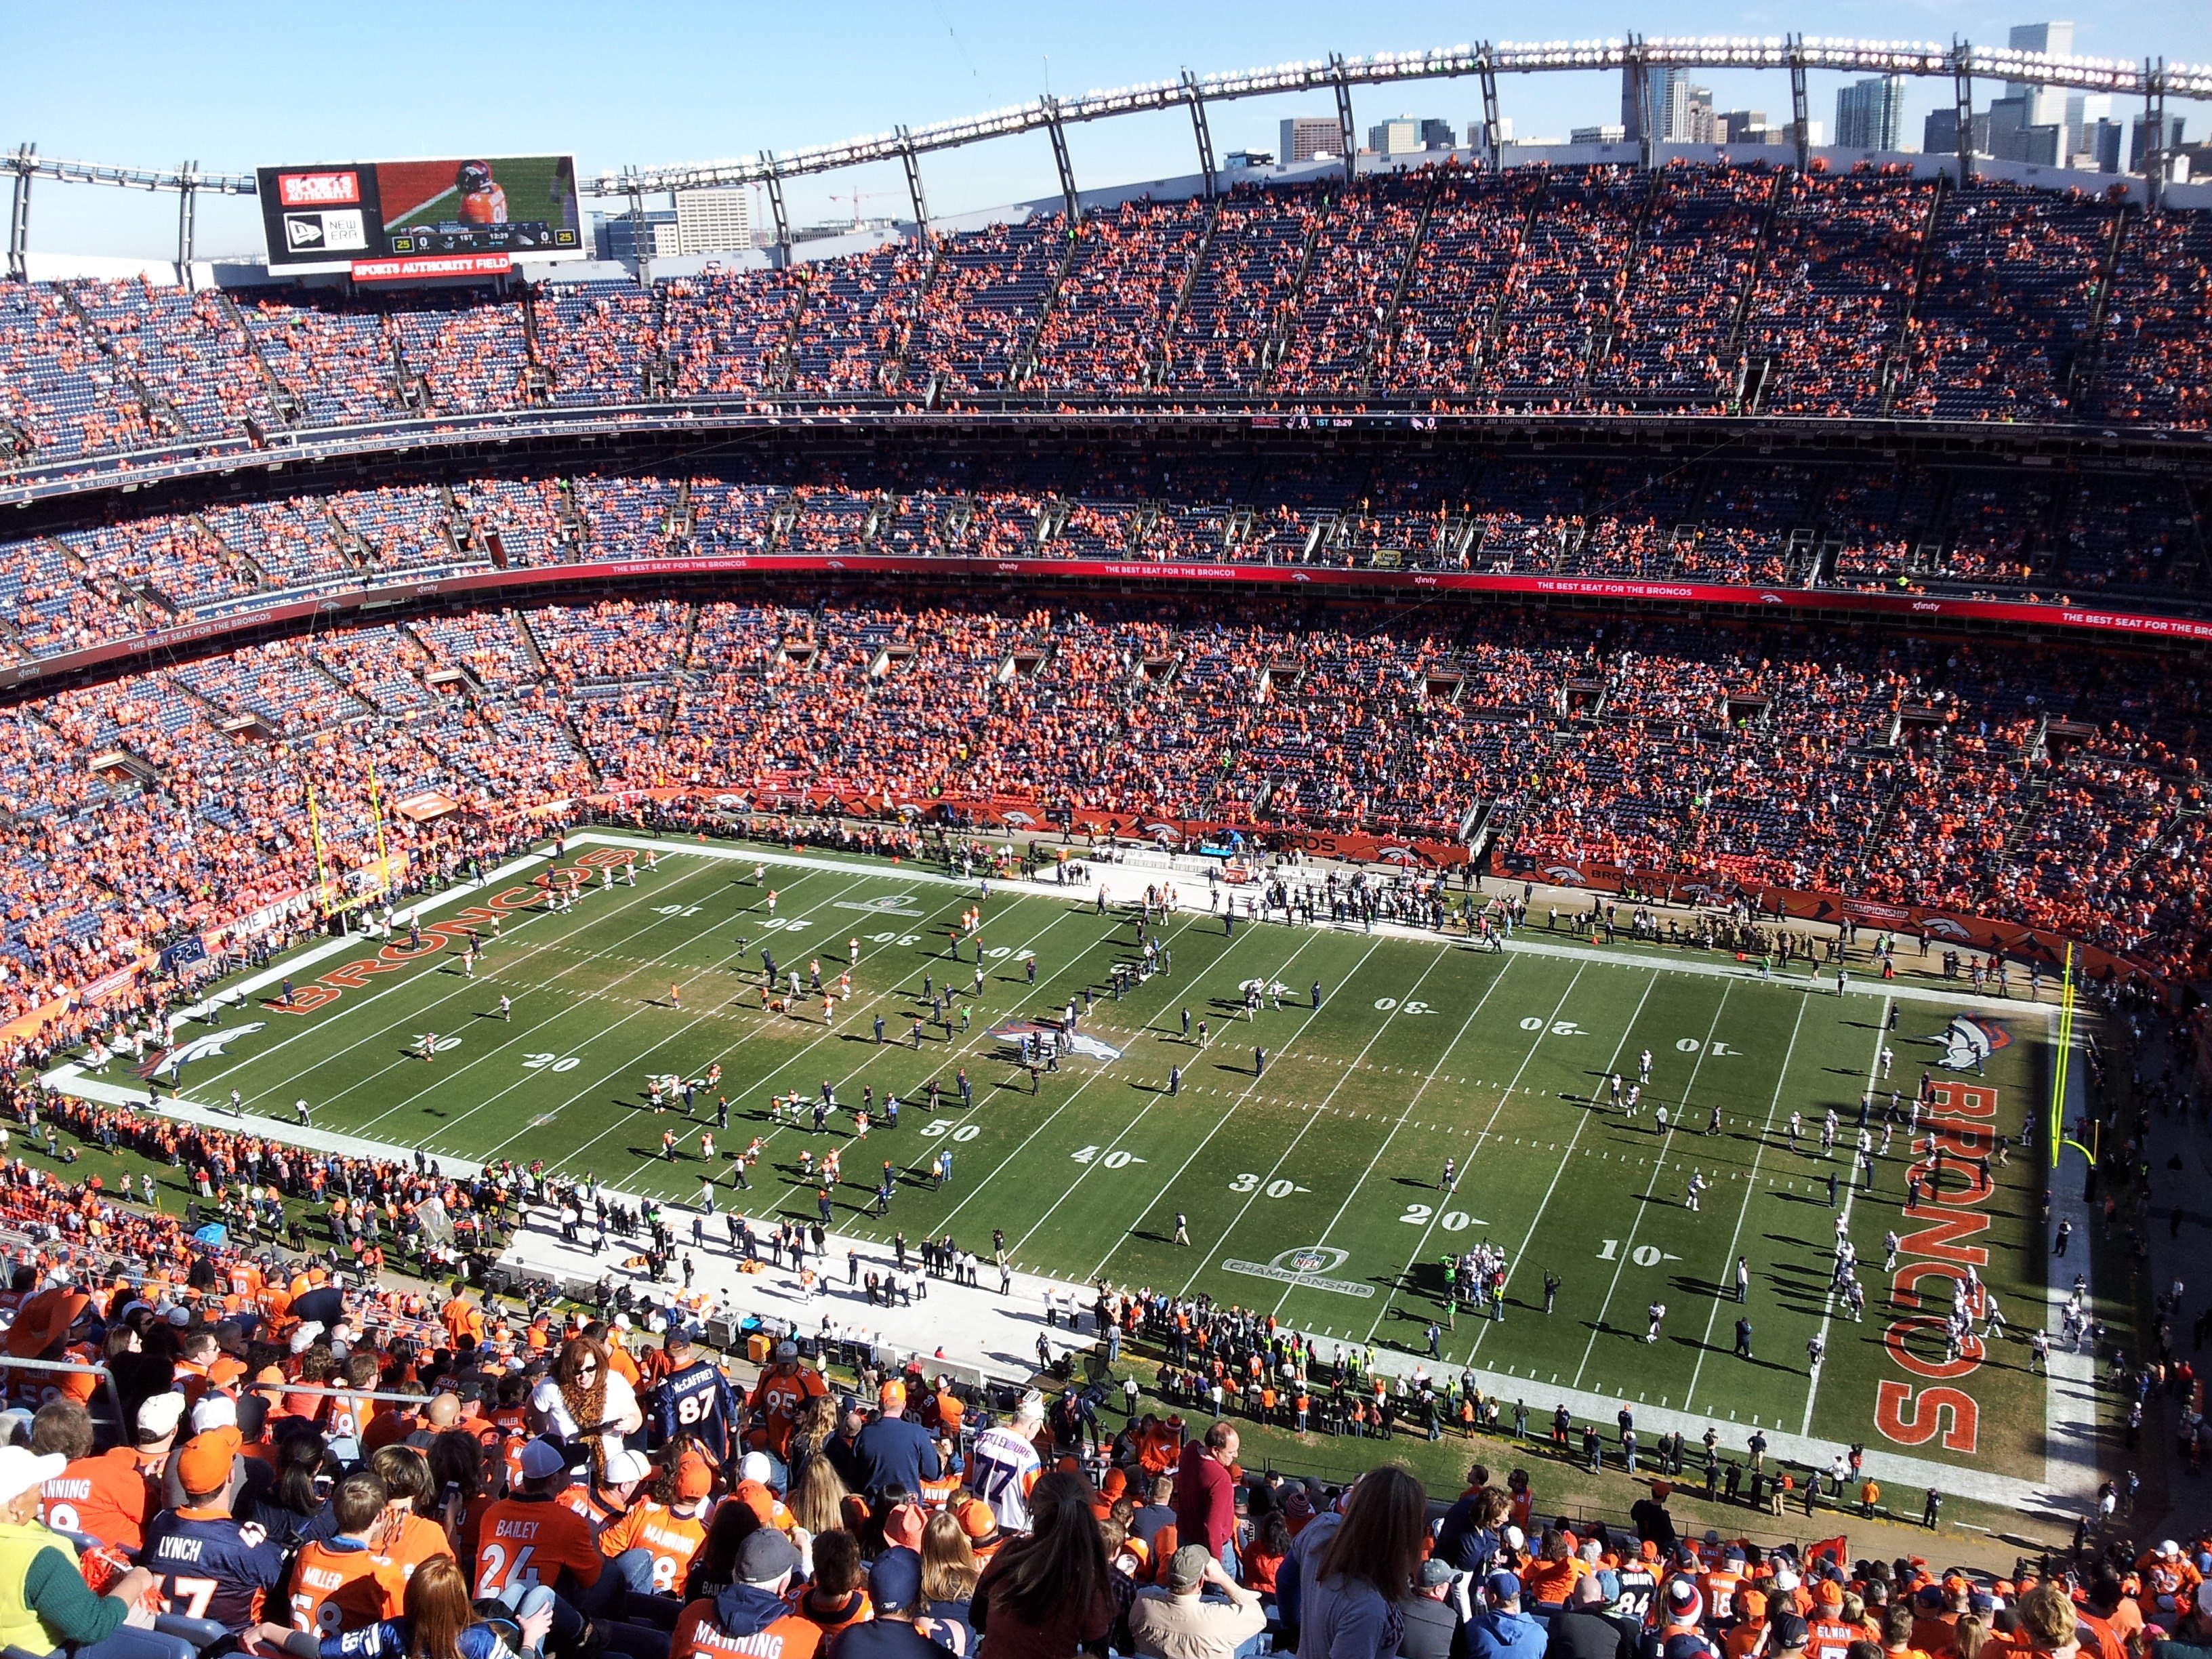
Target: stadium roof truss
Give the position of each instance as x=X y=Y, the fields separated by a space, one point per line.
x=2152 y=79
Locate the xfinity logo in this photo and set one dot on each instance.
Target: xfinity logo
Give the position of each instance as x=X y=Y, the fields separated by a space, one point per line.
x=319 y=189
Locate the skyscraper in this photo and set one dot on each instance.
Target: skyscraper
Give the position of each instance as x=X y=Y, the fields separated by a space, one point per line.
x=1870 y=113
x=1305 y=137
x=1660 y=83
x=2047 y=105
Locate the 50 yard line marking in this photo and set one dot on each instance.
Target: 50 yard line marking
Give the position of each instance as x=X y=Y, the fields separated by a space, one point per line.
x=1658 y=1168
x=1422 y=1244
x=1750 y=1191
x=1851 y=1192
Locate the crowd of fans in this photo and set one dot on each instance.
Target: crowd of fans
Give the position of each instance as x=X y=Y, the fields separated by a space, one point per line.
x=1699 y=288
x=1923 y=528
x=2039 y=786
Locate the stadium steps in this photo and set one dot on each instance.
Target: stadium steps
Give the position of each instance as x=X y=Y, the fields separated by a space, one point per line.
x=894 y=372
x=537 y=376
x=1286 y=314
x=1740 y=323
x=1025 y=359
x=1163 y=348
x=160 y=414
x=680 y=672
x=2034 y=795
x=1897 y=362
x=2088 y=360
x=2188 y=566
x=1385 y=339
x=282 y=398
x=1487 y=347
x=1599 y=346
x=237 y=555
x=526 y=636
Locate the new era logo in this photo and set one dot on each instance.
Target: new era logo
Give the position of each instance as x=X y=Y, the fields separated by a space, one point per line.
x=303 y=230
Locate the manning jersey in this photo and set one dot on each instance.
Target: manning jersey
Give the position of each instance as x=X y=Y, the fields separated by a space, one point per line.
x=207 y=1565
x=106 y=1497
x=1001 y=1469
x=670 y=1539
x=698 y=1401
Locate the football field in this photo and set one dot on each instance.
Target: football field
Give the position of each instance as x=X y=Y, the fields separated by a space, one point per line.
x=1309 y=1186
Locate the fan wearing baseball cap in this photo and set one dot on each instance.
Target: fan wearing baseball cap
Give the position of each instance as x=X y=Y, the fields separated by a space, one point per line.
x=893 y=1451
x=208 y=1565
x=751 y=1618
x=780 y=1399
x=651 y=1545
x=529 y=1538
x=44 y=1600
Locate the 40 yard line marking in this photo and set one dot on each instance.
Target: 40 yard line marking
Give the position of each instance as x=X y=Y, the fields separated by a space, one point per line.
x=1168 y=1186
x=1750 y=1190
x=1851 y=1192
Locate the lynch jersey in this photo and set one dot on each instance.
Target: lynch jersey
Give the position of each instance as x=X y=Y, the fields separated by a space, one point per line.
x=698 y=1401
x=1001 y=1469
x=207 y=1565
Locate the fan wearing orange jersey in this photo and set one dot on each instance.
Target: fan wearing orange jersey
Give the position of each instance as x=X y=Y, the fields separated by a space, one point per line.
x=527 y=1537
x=602 y=1499
x=411 y=1536
x=780 y=1397
x=651 y=1545
x=344 y=1583
x=107 y=1497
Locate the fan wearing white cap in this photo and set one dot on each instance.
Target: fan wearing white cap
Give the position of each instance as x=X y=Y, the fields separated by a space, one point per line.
x=44 y=1600
x=607 y=1494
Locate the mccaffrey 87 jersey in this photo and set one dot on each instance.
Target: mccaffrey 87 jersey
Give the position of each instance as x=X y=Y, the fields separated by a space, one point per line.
x=698 y=1400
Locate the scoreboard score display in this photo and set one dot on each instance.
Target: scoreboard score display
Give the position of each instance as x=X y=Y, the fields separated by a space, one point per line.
x=415 y=220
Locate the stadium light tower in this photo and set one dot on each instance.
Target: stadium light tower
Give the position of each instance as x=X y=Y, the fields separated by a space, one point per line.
x=1344 y=112
x=187 y=220
x=1485 y=66
x=1198 y=128
x=1051 y=106
x=774 y=180
x=1800 y=131
x=913 y=164
x=19 y=215
x=1962 y=99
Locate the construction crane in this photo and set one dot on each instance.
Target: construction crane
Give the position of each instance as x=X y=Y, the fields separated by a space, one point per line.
x=856 y=197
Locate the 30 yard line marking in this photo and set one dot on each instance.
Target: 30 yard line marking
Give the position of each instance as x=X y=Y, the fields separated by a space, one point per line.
x=1851 y=1192
x=1658 y=1168
x=1750 y=1191
x=1124 y=1132
x=1168 y=1186
x=1422 y=1244
x=1312 y=1118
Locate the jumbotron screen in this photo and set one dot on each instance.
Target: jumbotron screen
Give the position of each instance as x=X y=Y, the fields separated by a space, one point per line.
x=396 y=221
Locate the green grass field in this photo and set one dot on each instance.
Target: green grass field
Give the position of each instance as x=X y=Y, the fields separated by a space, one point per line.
x=1420 y=1052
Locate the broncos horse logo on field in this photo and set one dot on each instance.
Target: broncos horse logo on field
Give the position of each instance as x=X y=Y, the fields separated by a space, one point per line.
x=204 y=1047
x=1968 y=1041
x=1049 y=1030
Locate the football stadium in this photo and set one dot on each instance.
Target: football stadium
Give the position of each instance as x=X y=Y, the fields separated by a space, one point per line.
x=1431 y=894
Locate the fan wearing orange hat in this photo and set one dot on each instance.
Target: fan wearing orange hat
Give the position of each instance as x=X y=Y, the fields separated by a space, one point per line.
x=650 y=1546
x=208 y=1565
x=894 y=1452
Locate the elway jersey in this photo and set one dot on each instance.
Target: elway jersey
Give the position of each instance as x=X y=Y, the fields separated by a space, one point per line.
x=209 y=1566
x=1001 y=1469
x=698 y=1400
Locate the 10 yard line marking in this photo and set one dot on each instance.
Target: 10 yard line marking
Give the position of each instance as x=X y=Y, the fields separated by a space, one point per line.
x=1168 y=1186
x=1851 y=1192
x=1472 y=1151
x=1750 y=1190
x=1312 y=1118
x=1545 y=1203
x=1658 y=1167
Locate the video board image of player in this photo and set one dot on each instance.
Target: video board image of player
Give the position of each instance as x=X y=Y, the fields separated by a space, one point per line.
x=514 y=205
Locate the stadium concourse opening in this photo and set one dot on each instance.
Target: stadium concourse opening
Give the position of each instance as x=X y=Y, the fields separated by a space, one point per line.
x=1511 y=805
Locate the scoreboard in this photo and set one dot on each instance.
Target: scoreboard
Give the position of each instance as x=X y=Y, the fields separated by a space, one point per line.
x=415 y=220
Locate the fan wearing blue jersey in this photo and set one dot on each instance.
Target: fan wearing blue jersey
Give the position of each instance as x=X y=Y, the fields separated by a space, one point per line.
x=206 y=1564
x=694 y=1399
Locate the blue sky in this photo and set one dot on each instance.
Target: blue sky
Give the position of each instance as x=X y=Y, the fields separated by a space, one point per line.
x=236 y=86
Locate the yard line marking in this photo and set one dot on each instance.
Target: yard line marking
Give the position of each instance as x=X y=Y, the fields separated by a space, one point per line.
x=1751 y=1189
x=1123 y=1133
x=1168 y=1186
x=1636 y=1218
x=312 y=1027
x=1250 y=1198
x=1513 y=1264
x=1422 y=1245
x=1851 y=1192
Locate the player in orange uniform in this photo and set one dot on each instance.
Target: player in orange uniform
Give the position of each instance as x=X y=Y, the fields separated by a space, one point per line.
x=652 y=1542
x=482 y=201
x=779 y=1398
